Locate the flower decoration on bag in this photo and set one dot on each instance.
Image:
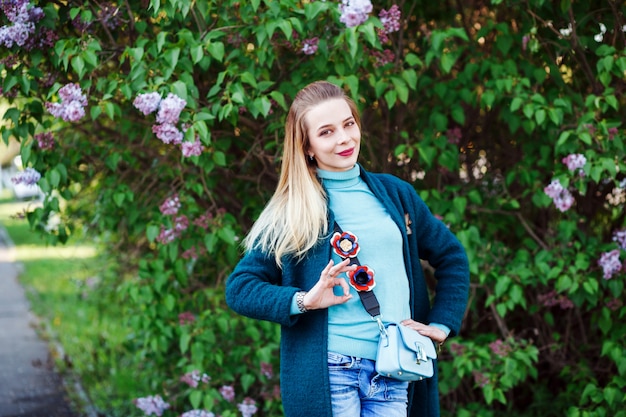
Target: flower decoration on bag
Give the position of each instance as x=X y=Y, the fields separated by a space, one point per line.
x=362 y=278
x=345 y=244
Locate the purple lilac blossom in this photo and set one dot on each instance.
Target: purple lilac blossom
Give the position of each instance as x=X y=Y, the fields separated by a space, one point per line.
x=554 y=189
x=204 y=220
x=247 y=407
x=309 y=46
x=197 y=413
x=170 y=206
x=614 y=304
x=454 y=135
x=620 y=237
x=194 y=148
x=561 y=197
x=228 y=392
x=181 y=223
x=354 y=12
x=186 y=317
x=71 y=107
x=552 y=298
x=383 y=57
x=194 y=377
x=170 y=108
x=29 y=176
x=152 y=404
x=457 y=349
x=45 y=140
x=610 y=263
x=10 y=60
x=191 y=253
x=166 y=236
x=480 y=378
x=390 y=19
x=73 y=112
x=575 y=161
x=23 y=18
x=147 y=103
x=266 y=369
x=500 y=348
x=72 y=92
x=44 y=38
x=168 y=133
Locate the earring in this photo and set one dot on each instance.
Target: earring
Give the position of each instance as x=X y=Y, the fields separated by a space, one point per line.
x=311 y=158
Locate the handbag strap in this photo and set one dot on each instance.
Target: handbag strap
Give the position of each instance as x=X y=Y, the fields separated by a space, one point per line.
x=368 y=298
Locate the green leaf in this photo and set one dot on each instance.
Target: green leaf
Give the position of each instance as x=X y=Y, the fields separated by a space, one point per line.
x=401 y=89
x=219 y=158
x=78 y=64
x=447 y=62
x=216 y=49
x=13 y=114
x=246 y=381
x=171 y=57
x=413 y=60
x=197 y=53
x=458 y=114
x=540 y=116
x=196 y=399
x=312 y=9
x=516 y=103
x=119 y=198
x=390 y=98
x=55 y=178
x=410 y=76
x=152 y=232
x=170 y=302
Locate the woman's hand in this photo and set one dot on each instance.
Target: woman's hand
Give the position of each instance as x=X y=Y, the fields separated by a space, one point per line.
x=322 y=294
x=436 y=335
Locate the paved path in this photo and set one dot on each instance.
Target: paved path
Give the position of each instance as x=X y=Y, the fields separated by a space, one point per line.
x=29 y=386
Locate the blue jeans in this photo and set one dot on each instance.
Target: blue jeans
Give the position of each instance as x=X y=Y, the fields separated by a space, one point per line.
x=357 y=390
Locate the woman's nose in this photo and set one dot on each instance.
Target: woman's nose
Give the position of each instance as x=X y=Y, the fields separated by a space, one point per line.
x=342 y=136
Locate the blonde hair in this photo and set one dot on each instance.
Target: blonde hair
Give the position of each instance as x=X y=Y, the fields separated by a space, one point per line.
x=296 y=216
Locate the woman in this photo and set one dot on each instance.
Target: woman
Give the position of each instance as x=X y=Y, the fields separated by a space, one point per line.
x=290 y=274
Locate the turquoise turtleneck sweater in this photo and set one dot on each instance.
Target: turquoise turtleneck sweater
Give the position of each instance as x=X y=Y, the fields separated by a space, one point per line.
x=351 y=330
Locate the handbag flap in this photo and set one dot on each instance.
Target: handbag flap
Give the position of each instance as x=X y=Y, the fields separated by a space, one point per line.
x=412 y=339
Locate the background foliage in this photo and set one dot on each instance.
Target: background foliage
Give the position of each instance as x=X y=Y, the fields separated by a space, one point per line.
x=476 y=102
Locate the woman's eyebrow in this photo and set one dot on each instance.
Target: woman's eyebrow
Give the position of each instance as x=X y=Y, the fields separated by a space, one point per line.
x=327 y=125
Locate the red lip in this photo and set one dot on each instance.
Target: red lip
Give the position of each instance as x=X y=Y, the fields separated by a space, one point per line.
x=347 y=152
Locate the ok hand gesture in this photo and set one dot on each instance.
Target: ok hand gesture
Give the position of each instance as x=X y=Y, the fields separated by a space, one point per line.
x=322 y=294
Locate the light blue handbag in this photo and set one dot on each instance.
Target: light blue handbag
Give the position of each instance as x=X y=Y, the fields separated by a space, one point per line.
x=404 y=354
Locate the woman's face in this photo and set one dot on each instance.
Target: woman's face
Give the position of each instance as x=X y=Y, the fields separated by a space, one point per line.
x=334 y=136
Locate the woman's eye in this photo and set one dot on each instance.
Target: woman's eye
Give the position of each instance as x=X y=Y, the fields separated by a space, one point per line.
x=325 y=132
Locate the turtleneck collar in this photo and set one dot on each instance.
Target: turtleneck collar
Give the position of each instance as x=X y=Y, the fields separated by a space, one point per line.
x=340 y=179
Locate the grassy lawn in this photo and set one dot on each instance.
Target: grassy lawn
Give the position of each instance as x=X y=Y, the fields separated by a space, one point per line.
x=62 y=284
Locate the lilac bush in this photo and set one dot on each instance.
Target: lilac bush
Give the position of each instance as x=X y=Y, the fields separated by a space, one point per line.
x=156 y=126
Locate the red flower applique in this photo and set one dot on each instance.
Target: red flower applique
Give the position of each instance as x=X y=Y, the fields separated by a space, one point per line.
x=345 y=244
x=362 y=278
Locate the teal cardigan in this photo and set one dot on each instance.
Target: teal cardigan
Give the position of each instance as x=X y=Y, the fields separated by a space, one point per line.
x=258 y=288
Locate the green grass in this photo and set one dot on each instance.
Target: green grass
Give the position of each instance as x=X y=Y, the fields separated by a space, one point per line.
x=63 y=284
